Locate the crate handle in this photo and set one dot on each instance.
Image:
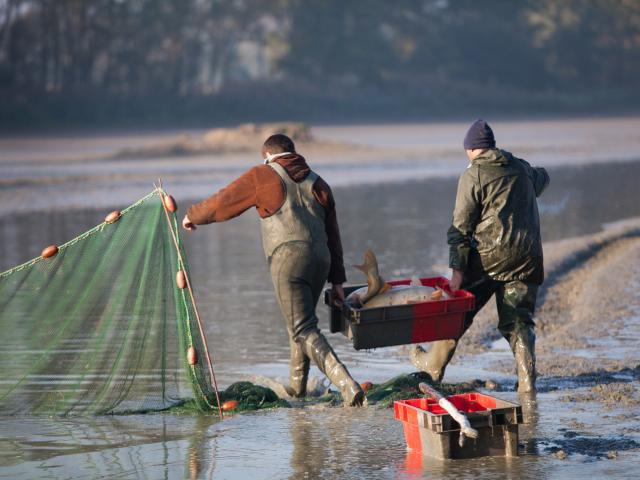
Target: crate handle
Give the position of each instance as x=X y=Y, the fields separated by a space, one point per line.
x=402 y=412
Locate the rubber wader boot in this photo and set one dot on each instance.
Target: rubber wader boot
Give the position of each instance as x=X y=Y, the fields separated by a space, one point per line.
x=317 y=347
x=298 y=371
x=523 y=343
x=434 y=361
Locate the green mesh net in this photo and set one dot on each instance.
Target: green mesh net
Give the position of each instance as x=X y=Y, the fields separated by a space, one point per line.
x=403 y=387
x=247 y=397
x=102 y=327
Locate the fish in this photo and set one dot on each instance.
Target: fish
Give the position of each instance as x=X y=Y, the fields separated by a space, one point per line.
x=379 y=293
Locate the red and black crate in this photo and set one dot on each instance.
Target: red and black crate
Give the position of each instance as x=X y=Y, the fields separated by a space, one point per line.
x=430 y=431
x=402 y=324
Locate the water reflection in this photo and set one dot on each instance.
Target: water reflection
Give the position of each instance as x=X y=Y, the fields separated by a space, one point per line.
x=202 y=450
x=344 y=443
x=528 y=430
x=90 y=447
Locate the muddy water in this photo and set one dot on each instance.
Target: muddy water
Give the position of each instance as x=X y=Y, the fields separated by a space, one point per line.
x=405 y=225
x=296 y=443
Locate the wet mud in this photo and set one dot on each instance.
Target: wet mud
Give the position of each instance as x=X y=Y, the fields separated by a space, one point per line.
x=243 y=138
x=611 y=395
x=573 y=442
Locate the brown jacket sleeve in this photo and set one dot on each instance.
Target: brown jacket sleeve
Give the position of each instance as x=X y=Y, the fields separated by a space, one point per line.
x=228 y=203
x=323 y=193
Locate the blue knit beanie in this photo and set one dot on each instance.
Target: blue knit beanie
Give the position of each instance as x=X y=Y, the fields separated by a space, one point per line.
x=479 y=135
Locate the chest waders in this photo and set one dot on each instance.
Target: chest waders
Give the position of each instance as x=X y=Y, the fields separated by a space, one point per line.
x=295 y=244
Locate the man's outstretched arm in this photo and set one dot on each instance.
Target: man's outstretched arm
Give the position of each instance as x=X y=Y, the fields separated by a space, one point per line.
x=227 y=203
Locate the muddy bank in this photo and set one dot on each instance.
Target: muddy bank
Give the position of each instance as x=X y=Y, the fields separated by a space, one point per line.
x=71 y=171
x=244 y=138
x=589 y=294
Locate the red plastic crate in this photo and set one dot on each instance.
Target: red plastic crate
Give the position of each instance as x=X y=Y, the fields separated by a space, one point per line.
x=403 y=324
x=430 y=430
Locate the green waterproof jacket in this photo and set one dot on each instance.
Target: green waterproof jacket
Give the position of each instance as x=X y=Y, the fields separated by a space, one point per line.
x=496 y=227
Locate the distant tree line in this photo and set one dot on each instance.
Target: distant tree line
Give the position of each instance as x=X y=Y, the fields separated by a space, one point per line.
x=108 y=60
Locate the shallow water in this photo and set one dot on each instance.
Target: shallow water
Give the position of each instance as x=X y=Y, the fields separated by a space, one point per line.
x=289 y=443
x=405 y=224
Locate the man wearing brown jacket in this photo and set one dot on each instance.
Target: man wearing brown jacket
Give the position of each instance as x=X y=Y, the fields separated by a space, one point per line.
x=302 y=244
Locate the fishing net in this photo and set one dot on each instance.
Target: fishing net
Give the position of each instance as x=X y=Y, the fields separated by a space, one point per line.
x=247 y=397
x=102 y=326
x=403 y=387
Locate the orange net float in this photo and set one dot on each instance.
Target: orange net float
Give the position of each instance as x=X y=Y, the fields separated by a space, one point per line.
x=181 y=279
x=49 y=251
x=366 y=386
x=192 y=356
x=169 y=203
x=229 y=405
x=113 y=216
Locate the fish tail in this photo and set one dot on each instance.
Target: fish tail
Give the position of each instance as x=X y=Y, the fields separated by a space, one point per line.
x=363 y=268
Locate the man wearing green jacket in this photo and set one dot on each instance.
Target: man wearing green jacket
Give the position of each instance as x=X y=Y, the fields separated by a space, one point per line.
x=495 y=248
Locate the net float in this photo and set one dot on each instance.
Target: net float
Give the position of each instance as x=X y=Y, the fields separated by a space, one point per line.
x=192 y=356
x=169 y=203
x=113 y=216
x=181 y=279
x=49 y=251
x=366 y=386
x=229 y=405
